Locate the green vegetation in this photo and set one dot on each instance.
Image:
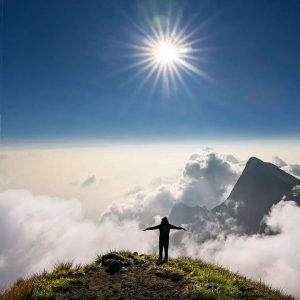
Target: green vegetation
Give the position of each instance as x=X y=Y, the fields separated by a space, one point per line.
x=214 y=282
x=48 y=285
x=203 y=279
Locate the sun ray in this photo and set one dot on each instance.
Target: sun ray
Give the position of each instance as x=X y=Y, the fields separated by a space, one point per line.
x=167 y=50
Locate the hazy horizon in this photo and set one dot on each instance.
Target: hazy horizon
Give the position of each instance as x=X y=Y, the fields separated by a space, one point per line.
x=118 y=167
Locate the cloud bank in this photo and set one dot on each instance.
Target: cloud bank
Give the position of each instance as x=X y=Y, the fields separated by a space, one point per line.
x=274 y=259
x=205 y=181
x=37 y=232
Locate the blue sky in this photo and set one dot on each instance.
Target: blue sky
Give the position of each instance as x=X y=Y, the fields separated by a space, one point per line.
x=63 y=71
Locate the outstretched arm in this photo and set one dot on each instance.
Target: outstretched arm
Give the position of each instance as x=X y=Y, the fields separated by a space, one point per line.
x=152 y=228
x=176 y=227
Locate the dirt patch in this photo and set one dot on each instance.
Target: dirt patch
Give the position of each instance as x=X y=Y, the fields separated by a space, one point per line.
x=137 y=283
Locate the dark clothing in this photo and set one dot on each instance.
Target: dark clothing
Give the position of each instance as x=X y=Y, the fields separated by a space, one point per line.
x=164 y=231
x=163 y=245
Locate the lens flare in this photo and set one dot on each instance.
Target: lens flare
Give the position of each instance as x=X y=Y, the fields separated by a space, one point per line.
x=167 y=52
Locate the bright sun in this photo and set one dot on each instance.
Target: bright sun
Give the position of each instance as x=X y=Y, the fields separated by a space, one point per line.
x=166 y=52
x=166 y=56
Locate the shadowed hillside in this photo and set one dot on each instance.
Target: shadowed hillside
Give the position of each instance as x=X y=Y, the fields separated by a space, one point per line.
x=126 y=275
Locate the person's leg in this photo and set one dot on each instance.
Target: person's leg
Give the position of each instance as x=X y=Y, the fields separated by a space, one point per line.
x=160 y=250
x=166 y=246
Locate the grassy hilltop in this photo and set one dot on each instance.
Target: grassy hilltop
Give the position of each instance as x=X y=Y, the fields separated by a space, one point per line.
x=126 y=275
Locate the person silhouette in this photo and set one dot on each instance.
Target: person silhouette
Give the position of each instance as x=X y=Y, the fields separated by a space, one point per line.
x=164 y=230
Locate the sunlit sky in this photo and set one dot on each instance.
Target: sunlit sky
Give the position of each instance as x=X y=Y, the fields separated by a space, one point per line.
x=70 y=70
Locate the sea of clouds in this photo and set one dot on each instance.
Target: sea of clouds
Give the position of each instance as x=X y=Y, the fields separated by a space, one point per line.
x=38 y=231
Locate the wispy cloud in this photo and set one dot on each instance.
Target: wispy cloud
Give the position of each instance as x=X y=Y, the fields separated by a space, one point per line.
x=279 y=162
x=91 y=180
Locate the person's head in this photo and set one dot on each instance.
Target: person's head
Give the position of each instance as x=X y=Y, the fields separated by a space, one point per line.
x=164 y=220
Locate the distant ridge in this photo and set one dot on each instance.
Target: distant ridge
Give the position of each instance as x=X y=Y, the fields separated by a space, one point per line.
x=260 y=185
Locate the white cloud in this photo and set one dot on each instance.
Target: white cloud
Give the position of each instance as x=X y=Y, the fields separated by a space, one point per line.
x=295 y=169
x=38 y=231
x=231 y=158
x=142 y=206
x=279 y=162
x=205 y=181
x=195 y=156
x=207 y=149
x=295 y=191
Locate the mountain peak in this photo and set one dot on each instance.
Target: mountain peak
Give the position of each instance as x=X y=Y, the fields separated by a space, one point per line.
x=260 y=185
x=255 y=165
x=254 y=161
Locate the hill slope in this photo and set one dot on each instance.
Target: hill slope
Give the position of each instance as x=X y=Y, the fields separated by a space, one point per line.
x=125 y=275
